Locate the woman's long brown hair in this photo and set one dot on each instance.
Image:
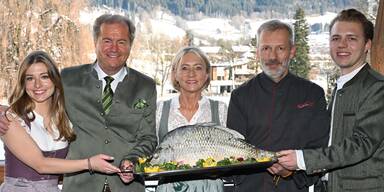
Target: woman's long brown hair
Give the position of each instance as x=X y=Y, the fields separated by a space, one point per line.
x=22 y=104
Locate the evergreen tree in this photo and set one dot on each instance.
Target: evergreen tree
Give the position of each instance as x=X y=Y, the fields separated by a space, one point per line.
x=254 y=62
x=300 y=63
x=188 y=38
x=213 y=8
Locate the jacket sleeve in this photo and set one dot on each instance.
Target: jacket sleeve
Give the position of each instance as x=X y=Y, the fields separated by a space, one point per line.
x=366 y=138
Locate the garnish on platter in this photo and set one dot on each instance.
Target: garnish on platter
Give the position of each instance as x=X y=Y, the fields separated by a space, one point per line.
x=144 y=166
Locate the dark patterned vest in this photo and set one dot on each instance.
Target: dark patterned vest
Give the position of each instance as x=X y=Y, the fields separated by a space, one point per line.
x=17 y=169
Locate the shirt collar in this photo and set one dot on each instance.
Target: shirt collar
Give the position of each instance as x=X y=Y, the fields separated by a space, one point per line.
x=345 y=78
x=176 y=104
x=118 y=77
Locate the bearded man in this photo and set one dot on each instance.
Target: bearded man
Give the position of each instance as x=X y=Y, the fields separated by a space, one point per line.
x=277 y=110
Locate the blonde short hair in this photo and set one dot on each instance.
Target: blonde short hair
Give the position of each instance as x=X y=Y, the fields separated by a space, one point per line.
x=177 y=59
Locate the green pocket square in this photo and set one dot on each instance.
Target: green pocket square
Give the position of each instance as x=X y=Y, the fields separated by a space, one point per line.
x=140 y=104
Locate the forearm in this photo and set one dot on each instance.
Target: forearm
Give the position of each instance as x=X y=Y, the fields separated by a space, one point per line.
x=54 y=165
x=339 y=154
x=21 y=145
x=142 y=149
x=34 y=158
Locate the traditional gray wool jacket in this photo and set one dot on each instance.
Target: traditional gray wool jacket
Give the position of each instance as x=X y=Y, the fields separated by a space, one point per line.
x=125 y=132
x=355 y=160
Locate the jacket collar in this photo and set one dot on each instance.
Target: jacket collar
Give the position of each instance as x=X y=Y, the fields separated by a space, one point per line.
x=90 y=70
x=266 y=80
x=360 y=74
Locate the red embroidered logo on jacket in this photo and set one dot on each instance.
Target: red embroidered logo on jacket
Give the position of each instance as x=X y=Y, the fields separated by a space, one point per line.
x=305 y=104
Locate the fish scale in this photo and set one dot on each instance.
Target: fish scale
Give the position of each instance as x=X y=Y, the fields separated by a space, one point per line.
x=190 y=143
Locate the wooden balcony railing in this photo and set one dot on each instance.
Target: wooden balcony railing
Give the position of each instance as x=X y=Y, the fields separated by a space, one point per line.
x=2 y=170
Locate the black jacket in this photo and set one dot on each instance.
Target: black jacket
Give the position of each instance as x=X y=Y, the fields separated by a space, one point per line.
x=273 y=116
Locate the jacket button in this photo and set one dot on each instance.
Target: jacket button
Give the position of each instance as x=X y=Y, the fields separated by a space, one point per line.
x=107 y=141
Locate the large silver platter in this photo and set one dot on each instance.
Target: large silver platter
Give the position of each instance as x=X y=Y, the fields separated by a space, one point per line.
x=208 y=172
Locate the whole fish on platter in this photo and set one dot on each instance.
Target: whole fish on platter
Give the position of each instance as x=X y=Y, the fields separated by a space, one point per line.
x=190 y=143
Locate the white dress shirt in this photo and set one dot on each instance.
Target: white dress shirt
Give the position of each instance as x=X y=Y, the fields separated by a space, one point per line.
x=45 y=140
x=118 y=77
x=203 y=113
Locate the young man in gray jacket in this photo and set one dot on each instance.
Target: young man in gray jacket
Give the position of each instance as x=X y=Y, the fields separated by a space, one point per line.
x=354 y=157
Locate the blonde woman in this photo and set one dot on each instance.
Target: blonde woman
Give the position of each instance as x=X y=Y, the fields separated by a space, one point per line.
x=190 y=76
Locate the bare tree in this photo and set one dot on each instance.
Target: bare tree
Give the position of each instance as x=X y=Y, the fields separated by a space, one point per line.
x=162 y=50
x=37 y=25
x=155 y=49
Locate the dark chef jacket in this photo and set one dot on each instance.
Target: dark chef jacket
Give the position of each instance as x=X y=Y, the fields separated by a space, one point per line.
x=273 y=116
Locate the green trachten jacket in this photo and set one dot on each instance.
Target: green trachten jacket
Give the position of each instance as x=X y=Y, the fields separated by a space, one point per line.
x=355 y=160
x=127 y=131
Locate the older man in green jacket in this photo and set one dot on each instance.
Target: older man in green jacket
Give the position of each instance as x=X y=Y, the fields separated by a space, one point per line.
x=112 y=108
